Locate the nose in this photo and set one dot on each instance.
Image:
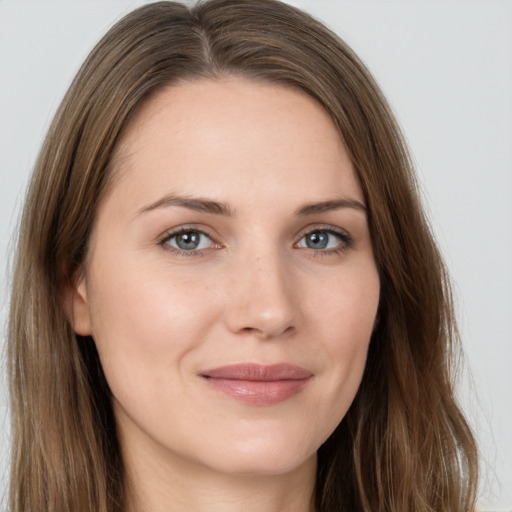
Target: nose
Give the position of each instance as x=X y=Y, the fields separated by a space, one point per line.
x=260 y=298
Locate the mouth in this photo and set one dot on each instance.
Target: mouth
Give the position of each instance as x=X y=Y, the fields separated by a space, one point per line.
x=258 y=384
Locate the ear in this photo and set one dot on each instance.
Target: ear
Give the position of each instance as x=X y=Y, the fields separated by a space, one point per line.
x=76 y=304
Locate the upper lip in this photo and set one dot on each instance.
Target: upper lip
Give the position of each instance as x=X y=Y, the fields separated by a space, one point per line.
x=258 y=372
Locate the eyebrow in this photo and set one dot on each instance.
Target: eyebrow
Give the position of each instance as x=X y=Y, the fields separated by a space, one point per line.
x=217 y=208
x=332 y=204
x=198 y=204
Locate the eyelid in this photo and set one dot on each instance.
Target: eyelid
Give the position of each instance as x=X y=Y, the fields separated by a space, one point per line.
x=180 y=228
x=346 y=240
x=173 y=232
x=322 y=227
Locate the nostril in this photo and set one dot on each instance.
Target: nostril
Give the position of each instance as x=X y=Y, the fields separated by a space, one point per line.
x=267 y=333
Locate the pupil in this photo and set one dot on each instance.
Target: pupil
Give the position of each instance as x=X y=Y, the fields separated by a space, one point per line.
x=317 y=240
x=187 y=241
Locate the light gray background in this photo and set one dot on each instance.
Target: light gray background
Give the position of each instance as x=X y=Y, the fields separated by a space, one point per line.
x=446 y=67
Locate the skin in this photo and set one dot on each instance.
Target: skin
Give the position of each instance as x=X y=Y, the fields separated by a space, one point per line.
x=254 y=291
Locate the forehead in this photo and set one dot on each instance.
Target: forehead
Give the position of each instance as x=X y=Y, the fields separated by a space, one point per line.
x=222 y=137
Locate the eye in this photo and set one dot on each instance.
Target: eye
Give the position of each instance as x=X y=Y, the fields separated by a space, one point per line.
x=324 y=239
x=189 y=240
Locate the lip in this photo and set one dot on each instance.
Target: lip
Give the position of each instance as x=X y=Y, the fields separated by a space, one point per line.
x=258 y=384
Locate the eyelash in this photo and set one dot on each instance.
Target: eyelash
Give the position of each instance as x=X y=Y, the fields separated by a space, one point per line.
x=180 y=252
x=346 y=241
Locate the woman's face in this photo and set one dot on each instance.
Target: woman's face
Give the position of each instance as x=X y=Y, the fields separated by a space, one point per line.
x=230 y=285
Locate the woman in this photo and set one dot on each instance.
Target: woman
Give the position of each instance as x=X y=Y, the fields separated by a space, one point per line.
x=231 y=299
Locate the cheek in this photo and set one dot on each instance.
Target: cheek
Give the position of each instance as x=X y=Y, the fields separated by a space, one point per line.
x=347 y=320
x=347 y=309
x=144 y=320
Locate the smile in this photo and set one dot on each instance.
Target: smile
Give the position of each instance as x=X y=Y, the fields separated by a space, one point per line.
x=258 y=384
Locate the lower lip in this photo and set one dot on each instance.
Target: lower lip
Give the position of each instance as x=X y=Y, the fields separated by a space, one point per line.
x=259 y=392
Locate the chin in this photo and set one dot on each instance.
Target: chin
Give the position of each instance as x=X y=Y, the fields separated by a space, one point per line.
x=263 y=458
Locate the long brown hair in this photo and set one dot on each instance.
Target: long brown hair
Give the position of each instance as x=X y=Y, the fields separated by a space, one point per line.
x=404 y=445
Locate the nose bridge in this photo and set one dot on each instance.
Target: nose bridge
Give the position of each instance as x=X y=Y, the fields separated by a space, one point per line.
x=261 y=299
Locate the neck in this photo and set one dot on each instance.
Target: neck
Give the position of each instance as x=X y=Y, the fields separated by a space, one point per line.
x=183 y=486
